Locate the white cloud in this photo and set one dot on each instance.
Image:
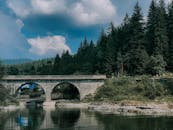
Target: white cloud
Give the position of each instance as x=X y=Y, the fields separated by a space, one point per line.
x=90 y=12
x=48 y=6
x=12 y=43
x=48 y=46
x=84 y=12
x=21 y=8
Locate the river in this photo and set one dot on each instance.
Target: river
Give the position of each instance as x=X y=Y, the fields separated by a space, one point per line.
x=76 y=119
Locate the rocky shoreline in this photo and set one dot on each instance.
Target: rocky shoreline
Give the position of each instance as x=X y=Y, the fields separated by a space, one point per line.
x=153 y=109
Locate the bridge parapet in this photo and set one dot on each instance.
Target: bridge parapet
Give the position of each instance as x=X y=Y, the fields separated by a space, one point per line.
x=53 y=77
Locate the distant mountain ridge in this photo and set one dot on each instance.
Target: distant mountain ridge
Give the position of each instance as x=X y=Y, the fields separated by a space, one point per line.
x=15 y=61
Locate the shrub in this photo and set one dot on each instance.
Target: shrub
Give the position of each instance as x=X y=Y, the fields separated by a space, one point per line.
x=135 y=88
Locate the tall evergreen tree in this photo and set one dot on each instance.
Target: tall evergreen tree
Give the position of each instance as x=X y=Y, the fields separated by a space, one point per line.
x=170 y=35
x=101 y=52
x=111 y=51
x=136 y=57
x=56 y=65
x=66 y=64
x=151 y=28
x=161 y=39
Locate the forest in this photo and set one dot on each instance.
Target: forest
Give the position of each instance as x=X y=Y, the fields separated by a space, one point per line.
x=138 y=46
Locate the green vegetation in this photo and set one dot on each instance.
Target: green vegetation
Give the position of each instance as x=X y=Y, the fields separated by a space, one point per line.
x=142 y=88
x=5 y=97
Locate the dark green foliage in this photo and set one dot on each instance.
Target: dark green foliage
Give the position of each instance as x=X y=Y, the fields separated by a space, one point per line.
x=170 y=35
x=151 y=28
x=66 y=63
x=156 y=65
x=161 y=31
x=56 y=66
x=157 y=37
x=14 y=70
x=101 y=53
x=136 y=61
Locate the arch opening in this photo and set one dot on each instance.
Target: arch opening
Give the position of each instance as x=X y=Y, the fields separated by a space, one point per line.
x=32 y=92
x=65 y=91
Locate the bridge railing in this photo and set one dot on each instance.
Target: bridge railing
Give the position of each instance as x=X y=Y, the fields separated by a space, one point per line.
x=54 y=77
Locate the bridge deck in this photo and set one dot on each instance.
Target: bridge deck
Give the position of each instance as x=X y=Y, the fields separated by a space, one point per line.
x=54 y=77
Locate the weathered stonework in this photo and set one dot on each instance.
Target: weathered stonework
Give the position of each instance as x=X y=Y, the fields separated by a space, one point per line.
x=86 y=84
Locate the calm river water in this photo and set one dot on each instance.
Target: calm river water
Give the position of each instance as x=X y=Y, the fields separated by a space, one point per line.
x=75 y=119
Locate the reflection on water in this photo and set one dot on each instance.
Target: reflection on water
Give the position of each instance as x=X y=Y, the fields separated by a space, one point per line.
x=65 y=118
x=75 y=119
x=30 y=119
x=115 y=122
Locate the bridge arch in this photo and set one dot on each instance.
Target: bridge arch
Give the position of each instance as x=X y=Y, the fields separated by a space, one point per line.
x=65 y=90
x=30 y=90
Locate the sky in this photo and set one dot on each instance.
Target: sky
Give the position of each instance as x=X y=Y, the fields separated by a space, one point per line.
x=36 y=29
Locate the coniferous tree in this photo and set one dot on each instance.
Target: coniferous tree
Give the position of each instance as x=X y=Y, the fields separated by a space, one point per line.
x=170 y=35
x=136 y=57
x=101 y=53
x=151 y=28
x=124 y=32
x=156 y=65
x=111 y=51
x=161 y=39
x=66 y=63
x=56 y=65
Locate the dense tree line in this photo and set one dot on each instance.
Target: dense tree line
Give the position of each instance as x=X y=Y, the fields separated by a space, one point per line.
x=135 y=47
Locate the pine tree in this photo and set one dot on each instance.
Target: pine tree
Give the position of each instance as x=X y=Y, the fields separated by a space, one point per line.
x=170 y=35
x=56 y=65
x=137 y=29
x=136 y=57
x=124 y=35
x=151 y=28
x=111 y=51
x=101 y=53
x=156 y=65
x=161 y=39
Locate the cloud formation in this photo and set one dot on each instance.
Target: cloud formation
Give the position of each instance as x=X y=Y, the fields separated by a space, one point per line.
x=84 y=12
x=12 y=43
x=48 y=6
x=21 y=8
x=93 y=11
x=48 y=46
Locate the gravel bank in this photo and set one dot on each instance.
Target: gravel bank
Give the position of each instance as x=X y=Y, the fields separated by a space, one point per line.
x=154 y=109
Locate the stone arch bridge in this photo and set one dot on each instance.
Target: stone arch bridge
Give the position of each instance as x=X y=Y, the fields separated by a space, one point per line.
x=86 y=84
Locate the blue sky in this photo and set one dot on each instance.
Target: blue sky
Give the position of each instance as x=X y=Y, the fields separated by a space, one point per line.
x=37 y=29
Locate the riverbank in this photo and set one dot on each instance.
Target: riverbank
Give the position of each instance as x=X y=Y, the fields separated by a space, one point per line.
x=130 y=108
x=153 y=109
